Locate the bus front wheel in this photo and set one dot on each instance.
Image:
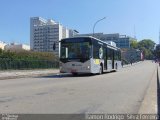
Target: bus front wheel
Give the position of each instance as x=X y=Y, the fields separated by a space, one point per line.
x=74 y=74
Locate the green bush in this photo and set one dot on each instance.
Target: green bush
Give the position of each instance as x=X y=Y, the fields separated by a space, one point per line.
x=27 y=64
x=27 y=60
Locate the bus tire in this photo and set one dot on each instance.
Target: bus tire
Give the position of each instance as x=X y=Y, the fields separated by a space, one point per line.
x=74 y=74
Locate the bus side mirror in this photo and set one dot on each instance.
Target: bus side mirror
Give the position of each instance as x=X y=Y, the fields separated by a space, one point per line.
x=54 y=46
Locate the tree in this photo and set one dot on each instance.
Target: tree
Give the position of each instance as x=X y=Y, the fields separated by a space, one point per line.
x=147 y=46
x=146 y=43
x=134 y=44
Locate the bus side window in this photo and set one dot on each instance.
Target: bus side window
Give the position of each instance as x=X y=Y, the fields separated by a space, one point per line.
x=119 y=55
x=108 y=53
x=104 y=53
x=96 y=52
x=116 y=53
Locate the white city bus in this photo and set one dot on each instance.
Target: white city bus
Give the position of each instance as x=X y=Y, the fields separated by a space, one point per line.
x=88 y=55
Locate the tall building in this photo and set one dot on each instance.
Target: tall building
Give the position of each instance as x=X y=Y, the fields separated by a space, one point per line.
x=122 y=41
x=46 y=34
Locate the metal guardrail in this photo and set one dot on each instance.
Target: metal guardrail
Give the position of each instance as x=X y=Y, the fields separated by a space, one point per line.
x=17 y=64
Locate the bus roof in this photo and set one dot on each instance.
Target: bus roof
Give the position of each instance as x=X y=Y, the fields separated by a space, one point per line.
x=91 y=38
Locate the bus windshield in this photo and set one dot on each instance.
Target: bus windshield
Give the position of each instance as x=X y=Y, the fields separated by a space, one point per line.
x=75 y=50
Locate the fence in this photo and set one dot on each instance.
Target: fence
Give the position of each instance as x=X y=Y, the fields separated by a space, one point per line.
x=27 y=64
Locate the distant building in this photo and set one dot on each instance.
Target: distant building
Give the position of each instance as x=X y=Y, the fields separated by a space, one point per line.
x=46 y=34
x=17 y=47
x=2 y=45
x=132 y=55
x=122 y=41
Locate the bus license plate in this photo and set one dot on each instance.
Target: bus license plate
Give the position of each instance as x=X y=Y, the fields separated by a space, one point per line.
x=73 y=70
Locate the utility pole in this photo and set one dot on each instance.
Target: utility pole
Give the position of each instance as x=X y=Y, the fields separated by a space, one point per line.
x=134 y=32
x=159 y=35
x=96 y=23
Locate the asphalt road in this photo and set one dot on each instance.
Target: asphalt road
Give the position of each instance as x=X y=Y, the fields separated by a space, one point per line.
x=116 y=92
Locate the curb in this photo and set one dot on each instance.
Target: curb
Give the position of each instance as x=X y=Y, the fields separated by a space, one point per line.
x=149 y=103
x=24 y=74
x=133 y=64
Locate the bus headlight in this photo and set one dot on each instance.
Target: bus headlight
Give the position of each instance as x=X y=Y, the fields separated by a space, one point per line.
x=85 y=68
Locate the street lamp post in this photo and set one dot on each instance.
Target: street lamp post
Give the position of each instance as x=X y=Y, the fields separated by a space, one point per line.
x=96 y=23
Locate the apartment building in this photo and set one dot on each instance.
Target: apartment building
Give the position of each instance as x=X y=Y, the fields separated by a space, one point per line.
x=46 y=34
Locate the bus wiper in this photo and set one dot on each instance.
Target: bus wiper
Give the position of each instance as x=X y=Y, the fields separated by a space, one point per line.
x=84 y=59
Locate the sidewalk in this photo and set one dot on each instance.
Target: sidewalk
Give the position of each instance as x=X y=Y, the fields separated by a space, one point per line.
x=149 y=103
x=129 y=65
x=11 y=74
